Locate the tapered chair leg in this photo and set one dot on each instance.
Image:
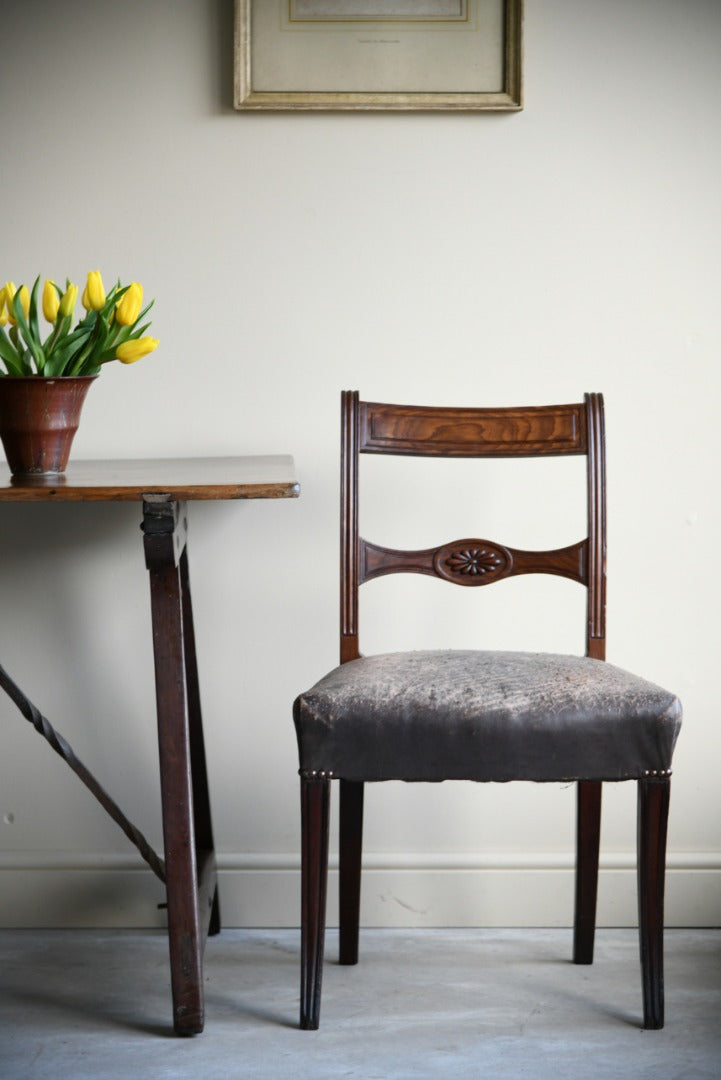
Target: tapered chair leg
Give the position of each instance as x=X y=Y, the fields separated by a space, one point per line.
x=349 y=880
x=653 y=801
x=588 y=835
x=214 y=923
x=315 y=813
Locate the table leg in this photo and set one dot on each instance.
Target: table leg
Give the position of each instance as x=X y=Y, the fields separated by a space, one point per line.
x=208 y=905
x=191 y=877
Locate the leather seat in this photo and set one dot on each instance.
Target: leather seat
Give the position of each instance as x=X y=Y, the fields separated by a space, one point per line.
x=464 y=715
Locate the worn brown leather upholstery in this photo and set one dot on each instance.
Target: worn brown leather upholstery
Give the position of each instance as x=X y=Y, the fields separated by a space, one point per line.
x=465 y=715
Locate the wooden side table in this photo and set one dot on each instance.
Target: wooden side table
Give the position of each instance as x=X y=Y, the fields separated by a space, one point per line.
x=165 y=487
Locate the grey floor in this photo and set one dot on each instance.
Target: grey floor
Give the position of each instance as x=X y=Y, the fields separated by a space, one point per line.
x=429 y=1003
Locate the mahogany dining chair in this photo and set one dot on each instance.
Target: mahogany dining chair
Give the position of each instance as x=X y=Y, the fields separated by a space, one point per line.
x=480 y=715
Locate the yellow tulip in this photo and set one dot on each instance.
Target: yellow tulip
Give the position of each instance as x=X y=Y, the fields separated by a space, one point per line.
x=128 y=307
x=3 y=312
x=9 y=294
x=67 y=303
x=94 y=294
x=51 y=301
x=130 y=351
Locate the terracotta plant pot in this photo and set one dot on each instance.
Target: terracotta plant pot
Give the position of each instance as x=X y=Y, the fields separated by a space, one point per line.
x=38 y=421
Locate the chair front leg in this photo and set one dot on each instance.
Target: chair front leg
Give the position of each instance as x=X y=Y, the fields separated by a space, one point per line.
x=588 y=835
x=653 y=802
x=315 y=814
x=349 y=868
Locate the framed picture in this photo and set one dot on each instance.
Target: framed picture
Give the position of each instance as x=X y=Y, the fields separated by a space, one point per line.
x=378 y=54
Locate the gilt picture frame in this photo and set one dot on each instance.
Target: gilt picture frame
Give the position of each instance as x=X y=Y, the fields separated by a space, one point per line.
x=360 y=55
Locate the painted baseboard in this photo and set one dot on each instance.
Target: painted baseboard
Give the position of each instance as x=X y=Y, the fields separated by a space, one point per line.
x=523 y=889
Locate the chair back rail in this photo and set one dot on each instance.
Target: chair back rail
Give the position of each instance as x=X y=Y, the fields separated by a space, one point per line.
x=553 y=430
x=473 y=562
x=460 y=432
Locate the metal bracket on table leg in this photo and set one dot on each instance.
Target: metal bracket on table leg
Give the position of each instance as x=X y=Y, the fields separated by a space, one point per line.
x=165 y=530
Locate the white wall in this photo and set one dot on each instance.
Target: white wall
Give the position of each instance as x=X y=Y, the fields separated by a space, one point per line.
x=431 y=258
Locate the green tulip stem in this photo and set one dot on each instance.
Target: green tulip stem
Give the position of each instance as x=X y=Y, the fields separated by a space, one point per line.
x=87 y=350
x=52 y=340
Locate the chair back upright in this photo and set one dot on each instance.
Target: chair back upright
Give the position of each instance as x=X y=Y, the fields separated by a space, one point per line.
x=537 y=431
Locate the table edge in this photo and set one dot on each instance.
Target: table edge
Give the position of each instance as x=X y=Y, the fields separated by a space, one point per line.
x=62 y=489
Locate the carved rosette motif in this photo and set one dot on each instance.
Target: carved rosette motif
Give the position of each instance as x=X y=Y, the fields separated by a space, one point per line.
x=472 y=562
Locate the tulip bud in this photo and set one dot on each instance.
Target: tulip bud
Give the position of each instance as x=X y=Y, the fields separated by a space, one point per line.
x=94 y=294
x=67 y=303
x=9 y=292
x=51 y=301
x=128 y=307
x=130 y=351
x=3 y=311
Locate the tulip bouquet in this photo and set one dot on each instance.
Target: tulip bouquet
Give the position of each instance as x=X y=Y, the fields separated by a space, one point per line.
x=110 y=330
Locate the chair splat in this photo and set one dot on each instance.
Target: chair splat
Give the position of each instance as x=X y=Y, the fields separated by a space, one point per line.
x=473 y=562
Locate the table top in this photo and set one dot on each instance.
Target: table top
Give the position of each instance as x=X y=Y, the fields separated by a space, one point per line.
x=247 y=477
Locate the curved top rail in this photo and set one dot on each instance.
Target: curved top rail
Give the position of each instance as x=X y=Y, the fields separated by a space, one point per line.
x=465 y=432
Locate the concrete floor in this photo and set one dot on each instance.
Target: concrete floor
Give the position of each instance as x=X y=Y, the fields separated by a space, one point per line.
x=428 y=1003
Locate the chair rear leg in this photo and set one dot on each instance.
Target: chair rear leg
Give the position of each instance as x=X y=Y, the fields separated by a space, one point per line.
x=653 y=801
x=588 y=834
x=315 y=812
x=351 y=845
x=214 y=924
